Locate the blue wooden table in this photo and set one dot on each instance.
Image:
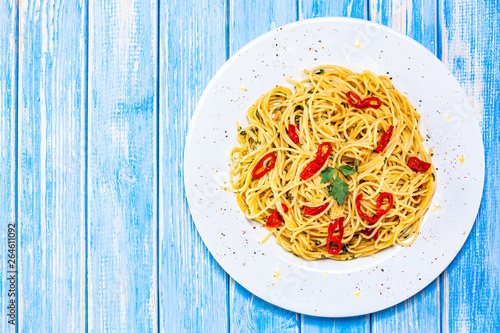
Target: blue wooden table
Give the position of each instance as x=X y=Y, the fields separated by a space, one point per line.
x=95 y=100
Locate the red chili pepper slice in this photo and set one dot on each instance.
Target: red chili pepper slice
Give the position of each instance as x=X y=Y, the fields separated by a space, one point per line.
x=265 y=169
x=418 y=165
x=310 y=170
x=379 y=203
x=314 y=166
x=292 y=133
x=274 y=220
x=371 y=102
x=384 y=139
x=369 y=233
x=353 y=99
x=320 y=157
x=335 y=240
x=365 y=217
x=315 y=210
x=380 y=212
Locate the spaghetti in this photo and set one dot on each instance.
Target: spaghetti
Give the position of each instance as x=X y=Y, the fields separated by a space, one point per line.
x=325 y=166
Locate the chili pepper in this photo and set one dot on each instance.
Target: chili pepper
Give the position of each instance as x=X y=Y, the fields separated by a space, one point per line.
x=265 y=169
x=369 y=233
x=418 y=165
x=315 y=210
x=371 y=102
x=314 y=166
x=365 y=217
x=380 y=212
x=320 y=157
x=310 y=170
x=336 y=240
x=384 y=139
x=292 y=132
x=353 y=99
x=276 y=217
x=379 y=203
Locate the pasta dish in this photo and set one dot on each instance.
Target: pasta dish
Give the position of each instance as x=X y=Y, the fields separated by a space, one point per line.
x=335 y=167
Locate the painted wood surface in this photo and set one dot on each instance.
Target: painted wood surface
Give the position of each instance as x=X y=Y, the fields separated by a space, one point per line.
x=471 y=49
x=52 y=95
x=94 y=163
x=322 y=8
x=8 y=111
x=193 y=287
x=122 y=166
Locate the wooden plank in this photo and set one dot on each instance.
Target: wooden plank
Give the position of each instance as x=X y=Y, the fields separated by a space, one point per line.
x=322 y=8
x=122 y=112
x=8 y=107
x=193 y=287
x=52 y=95
x=417 y=19
x=248 y=313
x=471 y=49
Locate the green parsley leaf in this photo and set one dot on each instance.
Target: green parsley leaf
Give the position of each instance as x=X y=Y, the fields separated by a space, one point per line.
x=327 y=175
x=356 y=164
x=347 y=170
x=385 y=160
x=338 y=190
x=307 y=105
x=317 y=243
x=319 y=71
x=323 y=256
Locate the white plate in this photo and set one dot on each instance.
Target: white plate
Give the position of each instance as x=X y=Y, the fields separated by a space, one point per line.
x=329 y=288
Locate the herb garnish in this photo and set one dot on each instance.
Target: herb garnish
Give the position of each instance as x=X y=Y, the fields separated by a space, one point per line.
x=339 y=188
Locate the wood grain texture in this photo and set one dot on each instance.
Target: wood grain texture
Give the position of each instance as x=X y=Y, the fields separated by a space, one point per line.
x=8 y=107
x=248 y=313
x=321 y=8
x=193 y=287
x=417 y=19
x=122 y=112
x=471 y=49
x=52 y=80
